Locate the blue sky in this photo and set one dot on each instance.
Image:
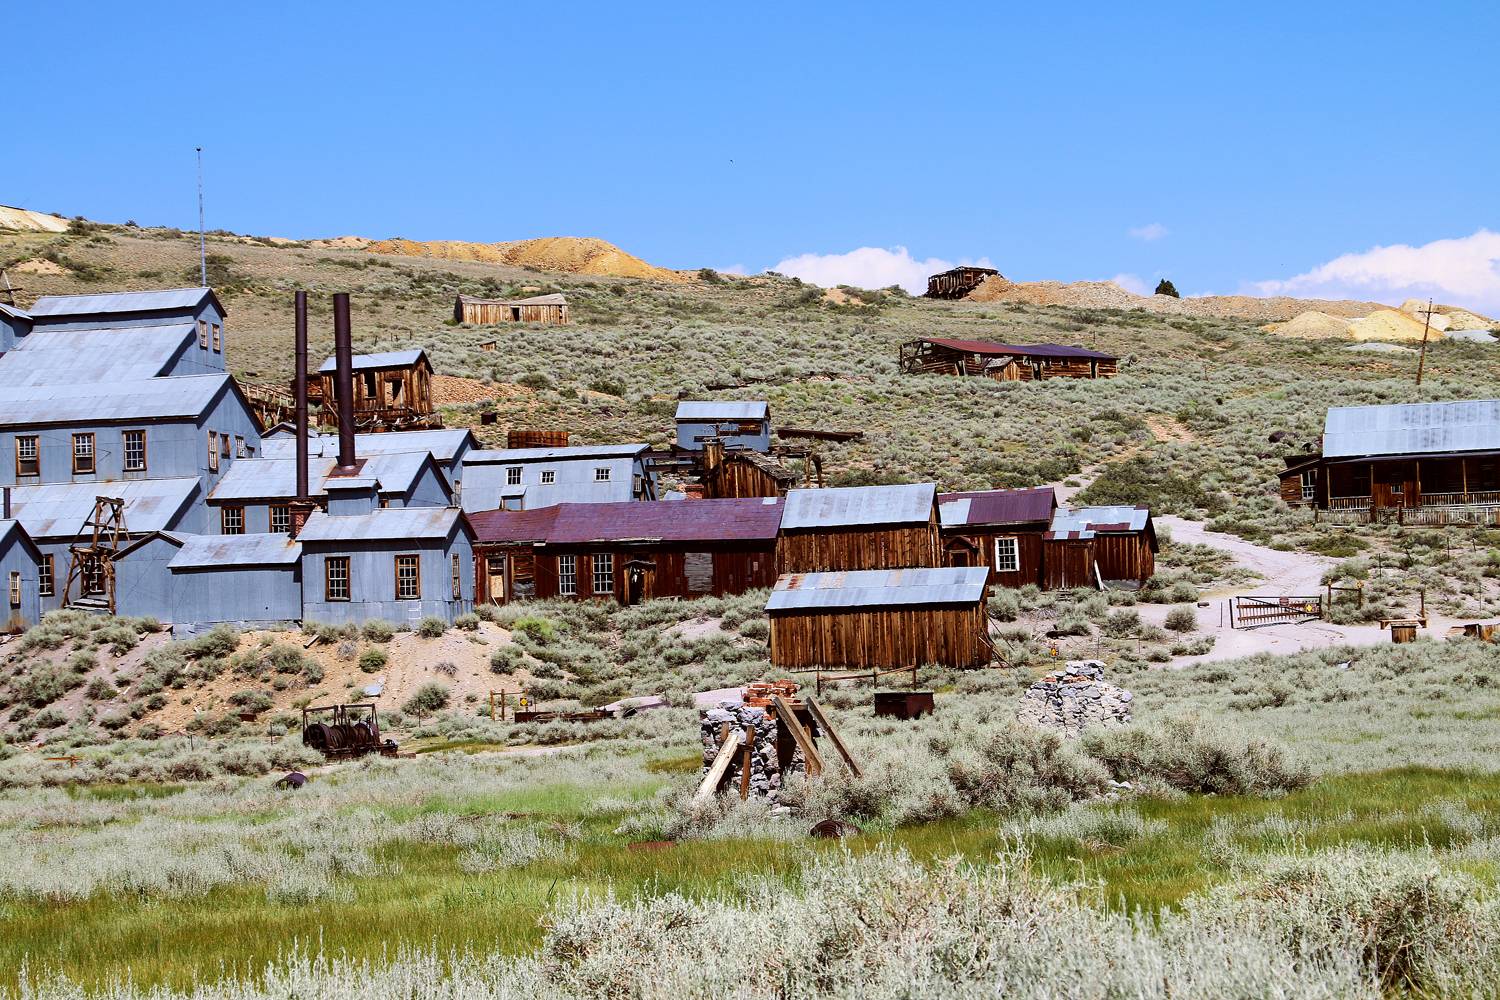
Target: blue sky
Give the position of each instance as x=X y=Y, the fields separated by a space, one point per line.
x=1241 y=144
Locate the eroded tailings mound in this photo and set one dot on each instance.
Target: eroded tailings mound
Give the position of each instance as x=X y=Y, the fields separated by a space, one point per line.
x=1108 y=295
x=1075 y=699
x=575 y=255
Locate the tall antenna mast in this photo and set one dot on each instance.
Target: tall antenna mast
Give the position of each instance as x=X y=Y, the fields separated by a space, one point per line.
x=202 y=250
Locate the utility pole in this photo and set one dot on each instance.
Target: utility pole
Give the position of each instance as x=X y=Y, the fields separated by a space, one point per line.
x=1422 y=358
x=202 y=248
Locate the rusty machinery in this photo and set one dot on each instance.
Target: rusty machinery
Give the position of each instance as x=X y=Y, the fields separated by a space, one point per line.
x=339 y=731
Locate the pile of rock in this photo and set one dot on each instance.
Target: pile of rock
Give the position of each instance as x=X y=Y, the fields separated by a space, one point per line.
x=766 y=773
x=1074 y=699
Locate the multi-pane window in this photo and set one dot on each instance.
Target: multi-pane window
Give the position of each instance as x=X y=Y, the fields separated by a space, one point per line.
x=83 y=454
x=28 y=460
x=458 y=578
x=213 y=451
x=549 y=477
x=281 y=518
x=15 y=589
x=336 y=578
x=513 y=476
x=45 y=586
x=218 y=338
x=408 y=578
x=239 y=446
x=1309 y=485
x=567 y=575
x=601 y=474
x=135 y=451
x=232 y=520
x=604 y=573
x=203 y=334
x=1007 y=554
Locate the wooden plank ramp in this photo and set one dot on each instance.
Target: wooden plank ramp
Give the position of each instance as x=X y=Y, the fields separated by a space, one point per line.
x=788 y=718
x=715 y=776
x=838 y=743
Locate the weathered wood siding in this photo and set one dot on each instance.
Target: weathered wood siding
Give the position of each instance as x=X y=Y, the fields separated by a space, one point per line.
x=976 y=547
x=820 y=550
x=737 y=477
x=675 y=571
x=489 y=313
x=879 y=638
x=1067 y=564
x=1125 y=556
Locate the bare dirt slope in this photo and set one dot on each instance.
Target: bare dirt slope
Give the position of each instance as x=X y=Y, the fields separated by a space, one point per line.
x=1108 y=295
x=575 y=255
x=28 y=221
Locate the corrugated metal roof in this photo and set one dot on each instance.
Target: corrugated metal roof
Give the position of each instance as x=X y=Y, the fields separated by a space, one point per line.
x=722 y=409
x=94 y=402
x=442 y=445
x=849 y=506
x=878 y=588
x=510 y=526
x=383 y=359
x=550 y=299
x=1108 y=519
x=213 y=551
x=1028 y=350
x=57 y=510
x=570 y=453
x=997 y=506
x=269 y=478
x=705 y=521
x=10 y=310
x=392 y=523
x=117 y=354
x=122 y=302
x=14 y=527
x=1412 y=428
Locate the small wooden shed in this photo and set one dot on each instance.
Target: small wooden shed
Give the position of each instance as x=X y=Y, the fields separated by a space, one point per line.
x=957 y=282
x=880 y=619
x=392 y=391
x=1097 y=546
x=743 y=474
x=1001 y=529
x=859 y=528
x=548 y=309
x=1004 y=362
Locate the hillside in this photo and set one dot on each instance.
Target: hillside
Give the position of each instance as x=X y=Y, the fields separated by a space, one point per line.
x=26 y=220
x=574 y=255
x=1108 y=295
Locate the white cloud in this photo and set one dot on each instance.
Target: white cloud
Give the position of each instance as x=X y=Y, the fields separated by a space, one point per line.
x=869 y=267
x=1462 y=272
x=1150 y=232
x=1133 y=283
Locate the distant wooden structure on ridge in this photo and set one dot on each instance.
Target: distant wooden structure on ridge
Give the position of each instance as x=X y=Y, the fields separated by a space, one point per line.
x=551 y=310
x=958 y=282
x=1004 y=362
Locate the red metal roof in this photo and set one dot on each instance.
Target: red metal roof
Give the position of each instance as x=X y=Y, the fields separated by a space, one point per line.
x=1028 y=350
x=755 y=519
x=498 y=526
x=1005 y=506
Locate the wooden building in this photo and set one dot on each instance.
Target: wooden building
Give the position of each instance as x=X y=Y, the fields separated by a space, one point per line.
x=1004 y=362
x=957 y=282
x=859 y=527
x=629 y=552
x=1413 y=463
x=1099 y=547
x=548 y=309
x=1000 y=529
x=730 y=474
x=392 y=391
x=875 y=619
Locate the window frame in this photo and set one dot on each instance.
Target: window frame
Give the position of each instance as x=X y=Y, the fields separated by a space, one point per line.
x=567 y=576
x=458 y=577
x=512 y=475
x=218 y=329
x=203 y=334
x=328 y=579
x=125 y=437
x=213 y=451
x=415 y=562
x=549 y=477
x=281 y=512
x=36 y=455
x=239 y=446
x=607 y=561
x=238 y=512
x=15 y=588
x=1309 y=485
x=93 y=454
x=46 y=585
x=1014 y=558
x=602 y=473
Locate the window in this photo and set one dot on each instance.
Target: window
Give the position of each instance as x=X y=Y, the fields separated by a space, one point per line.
x=232 y=520
x=513 y=476
x=604 y=573
x=218 y=338
x=549 y=477
x=601 y=474
x=135 y=451
x=281 y=518
x=408 y=578
x=1309 y=485
x=28 y=462
x=15 y=589
x=213 y=451
x=336 y=578
x=224 y=445
x=92 y=573
x=1007 y=554
x=239 y=446
x=203 y=334
x=510 y=503
x=46 y=587
x=458 y=578
x=83 y=454
x=567 y=575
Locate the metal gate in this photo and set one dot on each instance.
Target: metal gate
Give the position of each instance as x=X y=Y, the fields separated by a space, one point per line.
x=1258 y=612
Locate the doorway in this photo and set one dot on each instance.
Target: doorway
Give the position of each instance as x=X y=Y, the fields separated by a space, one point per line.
x=494 y=568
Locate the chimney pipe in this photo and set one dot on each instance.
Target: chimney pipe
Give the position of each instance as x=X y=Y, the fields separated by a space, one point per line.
x=300 y=309
x=7 y=503
x=344 y=362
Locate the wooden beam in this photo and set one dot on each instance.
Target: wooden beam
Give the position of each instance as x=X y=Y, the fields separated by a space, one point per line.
x=747 y=759
x=838 y=744
x=715 y=776
x=788 y=718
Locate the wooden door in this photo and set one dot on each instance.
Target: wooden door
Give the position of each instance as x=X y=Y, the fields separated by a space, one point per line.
x=495 y=569
x=640 y=581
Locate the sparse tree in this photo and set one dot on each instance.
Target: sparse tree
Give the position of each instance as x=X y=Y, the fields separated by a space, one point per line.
x=1165 y=287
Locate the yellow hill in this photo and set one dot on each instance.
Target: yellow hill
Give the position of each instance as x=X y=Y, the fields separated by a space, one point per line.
x=575 y=255
x=1390 y=324
x=20 y=218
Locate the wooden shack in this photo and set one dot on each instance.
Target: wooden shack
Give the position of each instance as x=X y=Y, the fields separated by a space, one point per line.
x=858 y=528
x=505 y=544
x=728 y=474
x=1000 y=529
x=547 y=309
x=880 y=619
x=531 y=438
x=957 y=282
x=392 y=391
x=1004 y=362
x=1100 y=547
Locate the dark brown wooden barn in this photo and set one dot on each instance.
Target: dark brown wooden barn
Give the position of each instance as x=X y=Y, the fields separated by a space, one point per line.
x=730 y=474
x=859 y=527
x=392 y=391
x=957 y=282
x=1001 y=529
x=1099 y=546
x=1004 y=362
x=880 y=619
x=548 y=309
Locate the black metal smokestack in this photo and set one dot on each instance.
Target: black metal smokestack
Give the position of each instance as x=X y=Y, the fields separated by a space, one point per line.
x=7 y=503
x=344 y=361
x=300 y=387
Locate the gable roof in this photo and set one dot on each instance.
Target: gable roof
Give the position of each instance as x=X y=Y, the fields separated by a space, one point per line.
x=1085 y=522
x=879 y=588
x=58 y=510
x=114 y=354
x=571 y=453
x=108 y=402
x=125 y=302
x=383 y=525
x=997 y=506
x=383 y=359
x=550 y=299
x=1412 y=428
x=13 y=311
x=214 y=551
x=276 y=478
x=723 y=409
x=850 y=506
x=706 y=521
x=1027 y=350
x=443 y=444
x=14 y=528
x=514 y=526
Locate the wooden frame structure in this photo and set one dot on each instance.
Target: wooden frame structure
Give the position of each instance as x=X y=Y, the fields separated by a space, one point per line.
x=106 y=530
